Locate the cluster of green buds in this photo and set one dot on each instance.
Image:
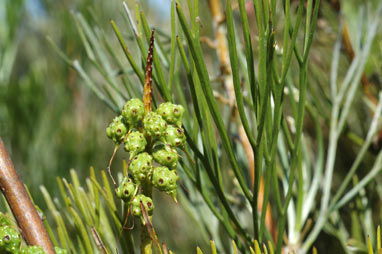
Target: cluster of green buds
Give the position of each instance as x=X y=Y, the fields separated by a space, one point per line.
x=151 y=139
x=10 y=240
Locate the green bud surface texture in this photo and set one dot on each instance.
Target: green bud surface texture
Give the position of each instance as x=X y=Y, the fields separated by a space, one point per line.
x=117 y=130
x=126 y=189
x=133 y=111
x=154 y=125
x=172 y=113
x=141 y=167
x=165 y=180
x=135 y=143
x=9 y=240
x=147 y=202
x=175 y=136
x=165 y=156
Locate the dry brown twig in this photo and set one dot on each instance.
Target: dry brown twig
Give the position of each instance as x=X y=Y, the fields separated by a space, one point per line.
x=98 y=241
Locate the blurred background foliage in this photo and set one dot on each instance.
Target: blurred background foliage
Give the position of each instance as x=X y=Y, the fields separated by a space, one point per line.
x=51 y=122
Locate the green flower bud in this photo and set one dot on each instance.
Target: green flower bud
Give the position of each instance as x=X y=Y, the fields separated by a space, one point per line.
x=117 y=130
x=165 y=180
x=60 y=251
x=165 y=156
x=135 y=143
x=171 y=113
x=147 y=202
x=9 y=240
x=154 y=124
x=175 y=136
x=4 y=220
x=126 y=189
x=133 y=111
x=141 y=167
x=32 y=250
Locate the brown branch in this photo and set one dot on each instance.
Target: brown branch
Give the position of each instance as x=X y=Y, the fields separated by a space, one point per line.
x=148 y=87
x=210 y=43
x=222 y=99
x=221 y=41
x=30 y=223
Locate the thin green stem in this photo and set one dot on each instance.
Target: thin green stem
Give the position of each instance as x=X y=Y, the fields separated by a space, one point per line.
x=235 y=73
x=135 y=67
x=248 y=53
x=206 y=86
x=296 y=152
x=173 y=46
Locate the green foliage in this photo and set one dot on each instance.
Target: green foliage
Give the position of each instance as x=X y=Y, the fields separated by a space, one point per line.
x=370 y=246
x=32 y=250
x=271 y=108
x=45 y=114
x=60 y=251
x=283 y=96
x=93 y=208
x=9 y=240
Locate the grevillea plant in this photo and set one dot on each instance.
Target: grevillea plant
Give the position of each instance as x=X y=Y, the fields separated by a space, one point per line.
x=251 y=169
x=151 y=139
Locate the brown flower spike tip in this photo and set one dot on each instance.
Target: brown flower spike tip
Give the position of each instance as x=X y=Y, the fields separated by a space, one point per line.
x=147 y=89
